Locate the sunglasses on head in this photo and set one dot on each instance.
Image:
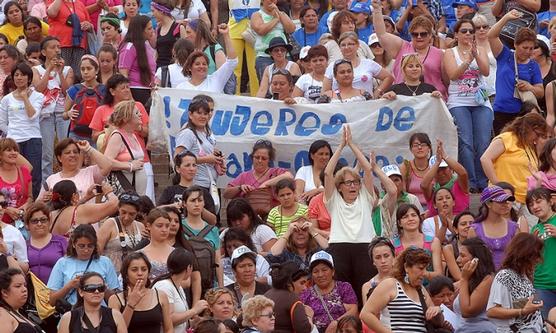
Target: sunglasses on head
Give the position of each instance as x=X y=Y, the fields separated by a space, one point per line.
x=421 y=34
x=91 y=288
x=126 y=197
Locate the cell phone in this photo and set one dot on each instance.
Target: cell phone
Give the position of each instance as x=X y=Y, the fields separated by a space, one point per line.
x=98 y=188
x=275 y=96
x=537 y=301
x=475 y=260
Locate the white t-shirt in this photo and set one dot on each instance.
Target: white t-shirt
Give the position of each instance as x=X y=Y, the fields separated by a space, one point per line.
x=259 y=236
x=311 y=88
x=362 y=75
x=176 y=298
x=196 y=9
x=15 y=242
x=261 y=265
x=14 y=120
x=351 y=223
x=429 y=227
x=175 y=72
x=54 y=83
x=305 y=173
x=214 y=82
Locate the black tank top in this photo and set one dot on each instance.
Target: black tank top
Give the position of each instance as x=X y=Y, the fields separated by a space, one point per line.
x=107 y=323
x=164 y=45
x=148 y=321
x=22 y=326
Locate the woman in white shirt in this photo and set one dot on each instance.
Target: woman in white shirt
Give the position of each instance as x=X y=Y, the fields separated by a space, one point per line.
x=19 y=118
x=174 y=76
x=190 y=10
x=309 y=85
x=180 y=266
x=196 y=68
x=307 y=178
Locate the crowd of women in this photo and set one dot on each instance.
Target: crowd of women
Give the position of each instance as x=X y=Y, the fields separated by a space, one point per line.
x=87 y=246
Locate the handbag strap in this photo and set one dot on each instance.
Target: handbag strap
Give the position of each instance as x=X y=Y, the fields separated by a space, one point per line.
x=292 y=310
x=319 y=295
x=515 y=67
x=130 y=154
x=56 y=218
x=121 y=235
x=422 y=300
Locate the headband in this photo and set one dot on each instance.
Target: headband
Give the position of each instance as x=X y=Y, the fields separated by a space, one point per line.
x=90 y=57
x=113 y=21
x=165 y=10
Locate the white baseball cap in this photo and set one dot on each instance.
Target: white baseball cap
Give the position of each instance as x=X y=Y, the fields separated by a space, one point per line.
x=391 y=170
x=304 y=52
x=432 y=161
x=321 y=256
x=373 y=38
x=241 y=251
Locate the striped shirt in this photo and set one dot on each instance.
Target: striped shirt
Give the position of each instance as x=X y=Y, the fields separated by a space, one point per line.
x=405 y=314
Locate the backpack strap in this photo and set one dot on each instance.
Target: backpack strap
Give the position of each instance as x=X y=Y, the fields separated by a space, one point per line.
x=205 y=231
x=212 y=50
x=188 y=232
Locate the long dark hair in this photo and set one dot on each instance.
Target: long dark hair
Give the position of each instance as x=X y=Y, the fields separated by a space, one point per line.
x=114 y=81
x=239 y=207
x=125 y=266
x=62 y=194
x=478 y=249
x=6 y=277
x=194 y=106
x=83 y=231
x=235 y=233
x=86 y=276
x=136 y=36
x=402 y=210
x=545 y=159
x=7 y=9
x=178 y=261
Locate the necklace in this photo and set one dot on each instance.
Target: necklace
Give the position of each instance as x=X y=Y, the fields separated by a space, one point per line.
x=413 y=91
x=415 y=164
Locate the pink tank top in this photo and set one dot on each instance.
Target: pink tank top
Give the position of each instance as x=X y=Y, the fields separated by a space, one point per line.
x=432 y=67
x=461 y=201
x=414 y=187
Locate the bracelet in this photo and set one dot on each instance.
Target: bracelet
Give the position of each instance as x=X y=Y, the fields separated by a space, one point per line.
x=88 y=150
x=315 y=235
x=130 y=306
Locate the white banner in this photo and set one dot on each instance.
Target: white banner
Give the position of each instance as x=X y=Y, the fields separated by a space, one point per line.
x=381 y=126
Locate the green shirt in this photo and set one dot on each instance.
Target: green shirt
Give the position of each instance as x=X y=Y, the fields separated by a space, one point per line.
x=545 y=272
x=280 y=222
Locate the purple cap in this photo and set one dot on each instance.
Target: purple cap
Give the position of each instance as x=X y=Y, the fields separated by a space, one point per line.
x=496 y=194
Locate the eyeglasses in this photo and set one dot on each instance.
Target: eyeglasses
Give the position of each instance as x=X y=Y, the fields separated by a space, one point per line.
x=268 y=315
x=4 y=204
x=422 y=34
x=127 y=197
x=344 y=45
x=351 y=182
x=85 y=246
x=42 y=220
x=419 y=145
x=91 y=288
x=466 y=31
x=482 y=27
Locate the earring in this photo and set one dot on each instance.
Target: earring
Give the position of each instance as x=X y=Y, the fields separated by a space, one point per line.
x=406 y=279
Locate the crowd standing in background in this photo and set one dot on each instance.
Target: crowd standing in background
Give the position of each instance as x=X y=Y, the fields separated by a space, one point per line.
x=88 y=243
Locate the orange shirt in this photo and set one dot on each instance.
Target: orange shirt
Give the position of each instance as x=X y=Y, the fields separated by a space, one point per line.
x=58 y=26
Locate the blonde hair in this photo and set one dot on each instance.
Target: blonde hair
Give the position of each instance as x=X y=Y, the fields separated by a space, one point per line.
x=123 y=113
x=410 y=57
x=479 y=18
x=348 y=34
x=212 y=296
x=552 y=22
x=253 y=307
x=341 y=175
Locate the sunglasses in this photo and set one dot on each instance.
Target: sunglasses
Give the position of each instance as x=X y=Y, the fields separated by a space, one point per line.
x=42 y=220
x=482 y=27
x=265 y=143
x=375 y=45
x=4 y=204
x=126 y=197
x=91 y=288
x=421 y=34
x=466 y=31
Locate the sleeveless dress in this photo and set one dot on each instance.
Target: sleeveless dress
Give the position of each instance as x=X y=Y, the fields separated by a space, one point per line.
x=497 y=246
x=147 y=321
x=405 y=314
x=478 y=324
x=113 y=248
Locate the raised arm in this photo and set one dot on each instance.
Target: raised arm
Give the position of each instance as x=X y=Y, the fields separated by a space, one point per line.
x=463 y=177
x=549 y=98
x=472 y=304
x=496 y=45
x=391 y=43
x=362 y=161
x=329 y=184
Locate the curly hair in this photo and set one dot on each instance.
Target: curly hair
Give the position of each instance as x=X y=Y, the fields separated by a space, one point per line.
x=343 y=15
x=212 y=296
x=124 y=111
x=521 y=127
x=253 y=307
x=523 y=254
x=411 y=256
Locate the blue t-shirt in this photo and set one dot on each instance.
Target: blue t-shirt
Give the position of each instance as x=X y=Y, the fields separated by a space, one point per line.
x=449 y=12
x=72 y=91
x=311 y=39
x=544 y=16
x=504 y=101
x=365 y=33
x=68 y=268
x=213 y=237
x=323 y=20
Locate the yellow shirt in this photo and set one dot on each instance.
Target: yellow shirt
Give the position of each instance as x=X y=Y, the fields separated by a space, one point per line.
x=14 y=33
x=513 y=165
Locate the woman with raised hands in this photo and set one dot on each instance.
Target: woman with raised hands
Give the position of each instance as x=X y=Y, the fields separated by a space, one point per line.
x=350 y=201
